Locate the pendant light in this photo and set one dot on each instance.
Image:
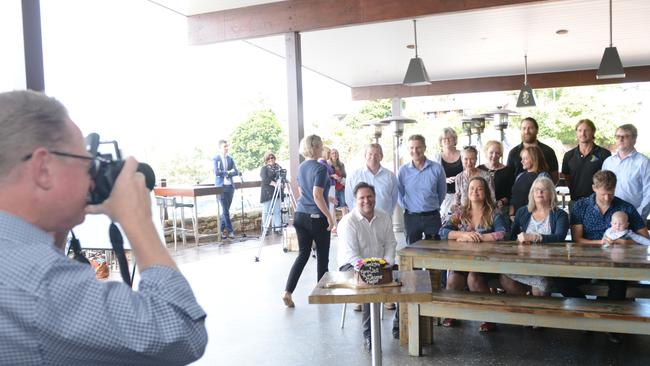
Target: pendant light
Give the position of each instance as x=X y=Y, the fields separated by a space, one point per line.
x=610 y=66
x=526 y=97
x=416 y=74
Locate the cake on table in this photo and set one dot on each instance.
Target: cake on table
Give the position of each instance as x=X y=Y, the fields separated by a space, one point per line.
x=373 y=271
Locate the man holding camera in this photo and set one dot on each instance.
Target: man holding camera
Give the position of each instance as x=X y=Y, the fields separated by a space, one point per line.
x=52 y=309
x=224 y=170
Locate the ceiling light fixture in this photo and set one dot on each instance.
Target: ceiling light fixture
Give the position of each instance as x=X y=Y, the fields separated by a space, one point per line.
x=610 y=66
x=416 y=74
x=526 y=97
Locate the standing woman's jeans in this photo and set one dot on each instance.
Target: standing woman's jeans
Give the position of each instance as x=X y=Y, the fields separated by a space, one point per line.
x=226 y=199
x=309 y=227
x=277 y=218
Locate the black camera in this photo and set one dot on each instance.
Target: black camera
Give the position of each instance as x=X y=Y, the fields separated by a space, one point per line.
x=106 y=168
x=282 y=173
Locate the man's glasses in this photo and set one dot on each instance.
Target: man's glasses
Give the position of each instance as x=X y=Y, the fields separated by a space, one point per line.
x=94 y=162
x=622 y=137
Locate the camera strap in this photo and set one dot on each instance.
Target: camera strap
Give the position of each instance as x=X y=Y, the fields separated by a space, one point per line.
x=75 y=247
x=118 y=246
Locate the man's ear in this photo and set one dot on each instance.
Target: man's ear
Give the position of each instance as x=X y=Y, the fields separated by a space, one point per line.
x=40 y=168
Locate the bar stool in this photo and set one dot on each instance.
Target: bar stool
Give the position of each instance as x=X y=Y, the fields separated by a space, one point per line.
x=167 y=204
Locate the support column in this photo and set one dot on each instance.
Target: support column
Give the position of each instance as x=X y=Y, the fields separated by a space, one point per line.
x=398 y=214
x=33 y=45
x=294 y=89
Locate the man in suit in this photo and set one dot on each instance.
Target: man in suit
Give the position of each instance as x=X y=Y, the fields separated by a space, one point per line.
x=224 y=170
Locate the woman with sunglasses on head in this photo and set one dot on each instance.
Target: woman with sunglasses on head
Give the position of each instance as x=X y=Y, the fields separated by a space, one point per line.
x=541 y=221
x=476 y=220
x=534 y=165
x=312 y=221
x=270 y=181
x=469 y=158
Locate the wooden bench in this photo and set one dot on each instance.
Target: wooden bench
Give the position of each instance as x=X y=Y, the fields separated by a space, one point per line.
x=634 y=290
x=553 y=312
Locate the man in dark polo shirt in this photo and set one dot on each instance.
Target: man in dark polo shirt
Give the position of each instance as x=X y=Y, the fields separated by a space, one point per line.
x=529 y=129
x=581 y=163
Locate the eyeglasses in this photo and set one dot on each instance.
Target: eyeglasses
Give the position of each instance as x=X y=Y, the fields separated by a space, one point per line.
x=622 y=137
x=270 y=157
x=94 y=162
x=540 y=190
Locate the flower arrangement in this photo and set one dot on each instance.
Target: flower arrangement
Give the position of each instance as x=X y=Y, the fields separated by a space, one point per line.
x=382 y=262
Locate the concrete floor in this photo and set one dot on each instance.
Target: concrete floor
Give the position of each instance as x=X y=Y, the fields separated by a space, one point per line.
x=249 y=325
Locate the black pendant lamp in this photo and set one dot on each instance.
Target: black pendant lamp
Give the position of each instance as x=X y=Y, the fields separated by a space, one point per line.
x=416 y=74
x=526 y=97
x=610 y=66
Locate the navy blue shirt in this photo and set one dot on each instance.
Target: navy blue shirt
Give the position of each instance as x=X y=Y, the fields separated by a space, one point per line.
x=311 y=173
x=586 y=213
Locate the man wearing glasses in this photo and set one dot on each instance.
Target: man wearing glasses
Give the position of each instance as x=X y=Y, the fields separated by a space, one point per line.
x=632 y=170
x=52 y=309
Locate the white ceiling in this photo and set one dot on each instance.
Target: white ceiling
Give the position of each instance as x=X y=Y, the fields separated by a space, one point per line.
x=193 y=7
x=481 y=43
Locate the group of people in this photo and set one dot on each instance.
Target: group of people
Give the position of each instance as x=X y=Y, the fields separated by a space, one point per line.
x=450 y=198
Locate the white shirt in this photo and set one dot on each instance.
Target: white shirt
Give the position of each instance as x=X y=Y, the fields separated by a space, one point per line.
x=360 y=238
x=632 y=180
x=385 y=184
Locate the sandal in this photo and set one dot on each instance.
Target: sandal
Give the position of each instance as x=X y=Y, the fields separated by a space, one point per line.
x=448 y=322
x=487 y=327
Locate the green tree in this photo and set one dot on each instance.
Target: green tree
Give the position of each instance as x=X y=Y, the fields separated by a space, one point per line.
x=251 y=139
x=187 y=168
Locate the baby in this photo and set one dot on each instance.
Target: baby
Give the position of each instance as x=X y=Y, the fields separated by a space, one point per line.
x=619 y=230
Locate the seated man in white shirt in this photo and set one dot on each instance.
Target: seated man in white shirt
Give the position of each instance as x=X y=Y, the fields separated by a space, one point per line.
x=365 y=233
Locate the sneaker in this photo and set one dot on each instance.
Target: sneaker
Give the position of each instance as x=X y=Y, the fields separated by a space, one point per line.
x=389 y=306
x=357 y=307
x=231 y=235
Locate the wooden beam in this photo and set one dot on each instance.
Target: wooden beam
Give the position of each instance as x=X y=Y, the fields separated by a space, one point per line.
x=306 y=15
x=498 y=83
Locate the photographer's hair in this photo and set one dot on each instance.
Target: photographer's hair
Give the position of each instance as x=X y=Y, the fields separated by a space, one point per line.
x=267 y=155
x=418 y=137
x=375 y=146
x=549 y=186
x=29 y=120
x=531 y=120
x=447 y=132
x=605 y=179
x=488 y=205
x=537 y=157
x=362 y=185
x=629 y=128
x=587 y=122
x=310 y=145
x=221 y=143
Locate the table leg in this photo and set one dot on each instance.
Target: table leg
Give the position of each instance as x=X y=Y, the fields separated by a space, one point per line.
x=196 y=223
x=414 y=329
x=375 y=332
x=219 y=218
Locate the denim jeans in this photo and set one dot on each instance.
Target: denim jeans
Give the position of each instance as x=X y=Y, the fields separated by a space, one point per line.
x=277 y=216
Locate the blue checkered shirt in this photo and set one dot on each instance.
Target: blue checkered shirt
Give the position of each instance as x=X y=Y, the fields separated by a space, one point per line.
x=54 y=312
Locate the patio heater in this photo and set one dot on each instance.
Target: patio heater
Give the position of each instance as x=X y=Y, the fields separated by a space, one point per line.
x=478 y=126
x=377 y=128
x=500 y=117
x=467 y=129
x=398 y=131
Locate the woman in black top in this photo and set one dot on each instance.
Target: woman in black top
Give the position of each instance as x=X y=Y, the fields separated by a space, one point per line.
x=269 y=175
x=452 y=164
x=502 y=175
x=534 y=164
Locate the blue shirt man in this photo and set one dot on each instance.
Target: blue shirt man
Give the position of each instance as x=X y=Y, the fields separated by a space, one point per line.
x=422 y=188
x=224 y=171
x=373 y=173
x=632 y=170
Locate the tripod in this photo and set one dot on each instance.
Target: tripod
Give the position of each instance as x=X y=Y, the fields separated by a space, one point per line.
x=243 y=236
x=278 y=199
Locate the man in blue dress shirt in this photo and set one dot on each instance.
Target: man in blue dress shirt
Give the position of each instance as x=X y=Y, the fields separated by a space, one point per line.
x=422 y=188
x=632 y=170
x=224 y=171
x=52 y=309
